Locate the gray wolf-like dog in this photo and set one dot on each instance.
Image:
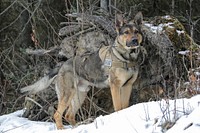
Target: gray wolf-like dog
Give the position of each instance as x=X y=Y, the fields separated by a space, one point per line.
x=115 y=67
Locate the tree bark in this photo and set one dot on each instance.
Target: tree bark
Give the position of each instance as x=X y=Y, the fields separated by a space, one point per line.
x=24 y=30
x=104 y=5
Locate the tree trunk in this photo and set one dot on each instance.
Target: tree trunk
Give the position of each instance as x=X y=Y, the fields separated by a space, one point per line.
x=24 y=30
x=104 y=5
x=172 y=7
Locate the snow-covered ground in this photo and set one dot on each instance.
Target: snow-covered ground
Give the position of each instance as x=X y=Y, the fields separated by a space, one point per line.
x=151 y=117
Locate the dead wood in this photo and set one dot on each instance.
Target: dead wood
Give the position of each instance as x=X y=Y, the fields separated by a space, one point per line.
x=162 y=43
x=41 y=52
x=101 y=21
x=164 y=37
x=71 y=29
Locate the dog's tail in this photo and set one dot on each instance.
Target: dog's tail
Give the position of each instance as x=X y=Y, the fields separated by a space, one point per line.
x=41 y=84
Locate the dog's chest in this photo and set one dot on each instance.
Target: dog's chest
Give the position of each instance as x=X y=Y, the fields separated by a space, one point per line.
x=112 y=57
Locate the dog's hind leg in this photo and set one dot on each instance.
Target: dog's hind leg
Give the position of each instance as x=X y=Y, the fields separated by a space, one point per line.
x=59 y=112
x=63 y=103
x=75 y=105
x=65 y=91
x=70 y=114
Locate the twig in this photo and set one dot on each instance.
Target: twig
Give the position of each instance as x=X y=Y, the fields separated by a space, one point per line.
x=41 y=52
x=82 y=32
x=32 y=100
x=71 y=29
x=14 y=128
x=72 y=23
x=189 y=125
x=8 y=7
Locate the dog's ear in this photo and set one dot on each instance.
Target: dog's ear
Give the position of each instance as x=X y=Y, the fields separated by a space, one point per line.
x=119 y=22
x=138 y=18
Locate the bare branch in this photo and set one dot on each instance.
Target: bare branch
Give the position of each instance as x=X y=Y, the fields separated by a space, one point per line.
x=41 y=52
x=71 y=29
x=101 y=21
x=8 y=7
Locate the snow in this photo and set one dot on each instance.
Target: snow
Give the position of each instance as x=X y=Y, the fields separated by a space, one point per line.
x=154 y=29
x=167 y=17
x=184 y=52
x=180 y=32
x=140 y=118
x=197 y=73
x=159 y=28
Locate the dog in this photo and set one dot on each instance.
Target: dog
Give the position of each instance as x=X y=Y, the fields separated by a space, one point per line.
x=115 y=67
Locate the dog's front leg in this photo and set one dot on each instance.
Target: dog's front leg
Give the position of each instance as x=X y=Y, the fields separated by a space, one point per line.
x=120 y=93
x=121 y=82
x=115 y=85
x=125 y=92
x=115 y=92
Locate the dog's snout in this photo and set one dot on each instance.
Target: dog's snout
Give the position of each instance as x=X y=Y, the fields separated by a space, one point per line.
x=134 y=41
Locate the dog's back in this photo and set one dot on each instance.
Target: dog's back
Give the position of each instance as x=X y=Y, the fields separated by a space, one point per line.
x=89 y=67
x=115 y=66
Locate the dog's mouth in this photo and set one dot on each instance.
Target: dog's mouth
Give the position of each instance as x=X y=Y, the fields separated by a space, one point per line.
x=132 y=43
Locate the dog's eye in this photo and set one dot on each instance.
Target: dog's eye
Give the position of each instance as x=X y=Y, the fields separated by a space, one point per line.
x=136 y=31
x=126 y=32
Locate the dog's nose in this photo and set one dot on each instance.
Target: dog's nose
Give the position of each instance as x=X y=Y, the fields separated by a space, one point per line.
x=135 y=41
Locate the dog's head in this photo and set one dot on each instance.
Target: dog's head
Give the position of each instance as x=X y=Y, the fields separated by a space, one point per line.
x=128 y=34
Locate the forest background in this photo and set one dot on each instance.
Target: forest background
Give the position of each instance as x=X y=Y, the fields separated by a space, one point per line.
x=35 y=24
